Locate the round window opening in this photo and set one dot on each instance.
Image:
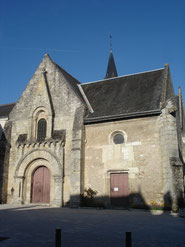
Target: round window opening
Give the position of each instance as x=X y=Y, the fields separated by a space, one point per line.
x=118 y=139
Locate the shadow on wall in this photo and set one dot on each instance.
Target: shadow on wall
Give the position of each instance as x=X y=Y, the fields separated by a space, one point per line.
x=4 y=161
x=134 y=200
x=169 y=205
x=92 y=200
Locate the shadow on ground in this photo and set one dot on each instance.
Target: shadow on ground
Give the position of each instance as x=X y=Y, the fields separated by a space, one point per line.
x=35 y=226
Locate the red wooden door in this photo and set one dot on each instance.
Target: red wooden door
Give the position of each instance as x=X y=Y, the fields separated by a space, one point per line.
x=41 y=185
x=119 y=189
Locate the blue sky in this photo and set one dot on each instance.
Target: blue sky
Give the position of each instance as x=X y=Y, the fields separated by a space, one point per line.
x=146 y=35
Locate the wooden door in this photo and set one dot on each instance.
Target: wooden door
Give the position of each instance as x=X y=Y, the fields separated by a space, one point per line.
x=41 y=185
x=119 y=189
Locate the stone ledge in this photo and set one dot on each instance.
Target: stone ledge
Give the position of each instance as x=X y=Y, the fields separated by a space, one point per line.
x=58 y=136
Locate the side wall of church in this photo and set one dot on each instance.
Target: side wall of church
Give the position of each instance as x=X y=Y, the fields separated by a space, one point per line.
x=139 y=156
x=172 y=160
x=145 y=156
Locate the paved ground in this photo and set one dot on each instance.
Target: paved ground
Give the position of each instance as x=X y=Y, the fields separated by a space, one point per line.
x=34 y=226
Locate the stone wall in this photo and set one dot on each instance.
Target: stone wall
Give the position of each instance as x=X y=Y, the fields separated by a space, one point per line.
x=170 y=151
x=140 y=156
x=2 y=124
x=5 y=146
x=48 y=95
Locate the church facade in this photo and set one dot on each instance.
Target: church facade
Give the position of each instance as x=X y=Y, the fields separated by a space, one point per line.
x=118 y=142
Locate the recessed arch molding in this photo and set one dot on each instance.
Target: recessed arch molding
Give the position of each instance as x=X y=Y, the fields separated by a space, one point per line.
x=38 y=154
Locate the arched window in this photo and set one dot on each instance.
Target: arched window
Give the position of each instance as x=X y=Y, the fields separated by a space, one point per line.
x=41 y=129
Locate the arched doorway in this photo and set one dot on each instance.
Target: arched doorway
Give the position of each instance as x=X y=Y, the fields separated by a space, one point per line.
x=41 y=185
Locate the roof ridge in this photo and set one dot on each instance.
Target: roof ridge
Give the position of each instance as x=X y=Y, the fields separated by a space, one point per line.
x=108 y=79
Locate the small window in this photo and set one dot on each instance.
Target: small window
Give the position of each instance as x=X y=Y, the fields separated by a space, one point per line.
x=118 y=138
x=41 y=129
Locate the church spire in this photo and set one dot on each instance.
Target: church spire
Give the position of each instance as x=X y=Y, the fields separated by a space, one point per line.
x=111 y=68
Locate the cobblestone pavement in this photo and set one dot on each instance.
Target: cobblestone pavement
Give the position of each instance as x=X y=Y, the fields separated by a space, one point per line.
x=34 y=226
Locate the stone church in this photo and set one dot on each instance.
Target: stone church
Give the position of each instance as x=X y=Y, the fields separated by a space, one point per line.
x=117 y=142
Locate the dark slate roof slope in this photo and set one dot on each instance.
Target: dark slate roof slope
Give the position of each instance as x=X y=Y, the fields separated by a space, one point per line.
x=6 y=109
x=133 y=94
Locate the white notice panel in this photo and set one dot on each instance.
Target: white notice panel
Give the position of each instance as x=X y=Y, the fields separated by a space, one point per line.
x=115 y=188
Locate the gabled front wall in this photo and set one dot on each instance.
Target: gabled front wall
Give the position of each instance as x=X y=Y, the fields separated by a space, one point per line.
x=48 y=95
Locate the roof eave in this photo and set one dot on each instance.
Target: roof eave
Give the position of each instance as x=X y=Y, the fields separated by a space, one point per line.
x=122 y=116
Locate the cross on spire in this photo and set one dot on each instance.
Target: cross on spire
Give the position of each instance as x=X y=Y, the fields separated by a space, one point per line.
x=110 y=42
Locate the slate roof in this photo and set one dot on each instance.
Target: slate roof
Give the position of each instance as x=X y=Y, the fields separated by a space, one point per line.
x=111 y=68
x=119 y=97
x=135 y=94
x=6 y=109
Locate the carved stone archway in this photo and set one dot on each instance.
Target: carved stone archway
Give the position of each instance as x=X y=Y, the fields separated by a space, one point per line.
x=25 y=169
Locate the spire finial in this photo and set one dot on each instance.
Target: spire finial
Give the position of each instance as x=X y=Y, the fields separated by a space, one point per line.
x=110 y=42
